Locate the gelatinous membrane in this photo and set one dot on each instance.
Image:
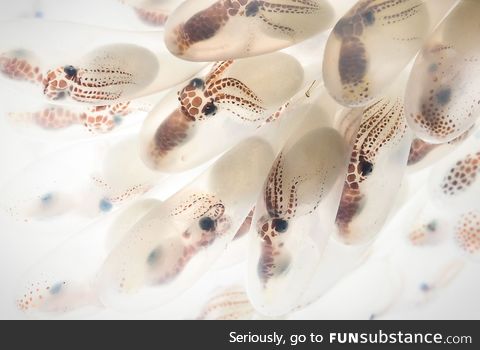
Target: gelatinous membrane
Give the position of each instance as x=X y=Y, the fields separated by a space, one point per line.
x=467 y=234
x=99 y=66
x=287 y=237
x=60 y=285
x=443 y=99
x=231 y=303
x=372 y=43
x=153 y=12
x=172 y=246
x=93 y=179
x=210 y=114
x=211 y=30
x=375 y=172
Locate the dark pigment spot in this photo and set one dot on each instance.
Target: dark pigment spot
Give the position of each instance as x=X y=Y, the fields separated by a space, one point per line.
x=207 y=224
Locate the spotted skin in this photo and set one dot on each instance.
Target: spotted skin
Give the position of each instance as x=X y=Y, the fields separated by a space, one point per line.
x=117 y=197
x=20 y=69
x=467 y=233
x=353 y=62
x=207 y=23
x=152 y=17
x=96 y=120
x=85 y=84
x=461 y=176
x=382 y=126
x=230 y=304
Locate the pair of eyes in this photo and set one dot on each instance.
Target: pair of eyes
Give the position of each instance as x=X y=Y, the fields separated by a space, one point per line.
x=210 y=108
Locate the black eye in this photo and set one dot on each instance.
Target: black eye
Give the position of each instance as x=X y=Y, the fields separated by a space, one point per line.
x=369 y=17
x=206 y=224
x=432 y=226
x=197 y=83
x=365 y=167
x=252 y=9
x=280 y=225
x=70 y=71
x=209 y=108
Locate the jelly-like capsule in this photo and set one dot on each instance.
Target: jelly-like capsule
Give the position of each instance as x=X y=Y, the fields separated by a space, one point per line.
x=443 y=99
x=172 y=246
x=226 y=105
x=289 y=235
x=213 y=30
x=375 y=172
x=99 y=67
x=372 y=43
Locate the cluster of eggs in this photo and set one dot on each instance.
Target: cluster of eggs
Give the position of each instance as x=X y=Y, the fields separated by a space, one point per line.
x=306 y=115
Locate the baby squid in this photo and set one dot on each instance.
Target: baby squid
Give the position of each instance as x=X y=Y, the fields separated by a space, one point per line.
x=208 y=30
x=219 y=109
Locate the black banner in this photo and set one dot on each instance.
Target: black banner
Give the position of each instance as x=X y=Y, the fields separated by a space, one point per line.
x=251 y=334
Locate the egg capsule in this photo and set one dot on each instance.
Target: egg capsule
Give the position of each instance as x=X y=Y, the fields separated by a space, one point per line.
x=377 y=164
x=208 y=30
x=212 y=113
x=293 y=217
x=373 y=42
x=443 y=95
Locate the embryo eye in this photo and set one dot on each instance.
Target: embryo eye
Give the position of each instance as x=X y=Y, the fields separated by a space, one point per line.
x=70 y=71
x=209 y=108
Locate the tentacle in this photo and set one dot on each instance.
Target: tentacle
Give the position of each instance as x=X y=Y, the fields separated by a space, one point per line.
x=242 y=103
x=273 y=194
x=217 y=70
x=219 y=85
x=200 y=204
